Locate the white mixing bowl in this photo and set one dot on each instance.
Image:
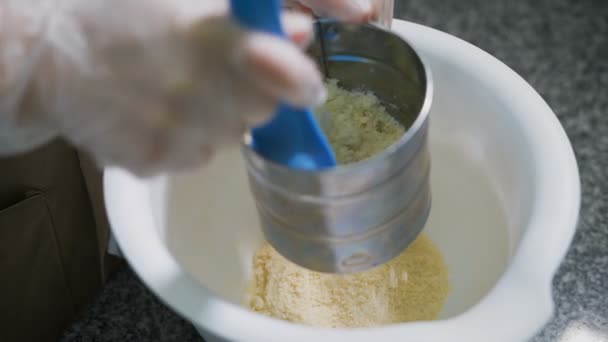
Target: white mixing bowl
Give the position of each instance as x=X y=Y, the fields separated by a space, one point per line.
x=505 y=205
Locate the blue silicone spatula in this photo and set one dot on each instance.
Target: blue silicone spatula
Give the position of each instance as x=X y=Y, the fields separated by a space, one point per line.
x=292 y=137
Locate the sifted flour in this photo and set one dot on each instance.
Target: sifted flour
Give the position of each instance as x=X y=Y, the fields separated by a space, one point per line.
x=411 y=287
x=356 y=124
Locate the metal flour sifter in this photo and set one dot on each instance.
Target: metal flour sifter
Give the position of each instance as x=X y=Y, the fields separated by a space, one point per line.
x=357 y=216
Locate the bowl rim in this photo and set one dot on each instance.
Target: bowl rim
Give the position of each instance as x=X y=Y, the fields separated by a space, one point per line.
x=523 y=291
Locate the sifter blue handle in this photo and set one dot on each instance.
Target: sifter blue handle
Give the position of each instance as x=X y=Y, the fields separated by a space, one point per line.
x=293 y=136
x=258 y=15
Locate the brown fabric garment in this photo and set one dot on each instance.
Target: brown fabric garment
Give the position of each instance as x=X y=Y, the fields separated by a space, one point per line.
x=51 y=248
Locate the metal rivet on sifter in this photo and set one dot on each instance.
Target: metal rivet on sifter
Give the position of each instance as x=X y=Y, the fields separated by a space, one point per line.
x=357 y=260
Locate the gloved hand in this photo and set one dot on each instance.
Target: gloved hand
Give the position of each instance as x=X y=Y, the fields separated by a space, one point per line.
x=346 y=10
x=150 y=85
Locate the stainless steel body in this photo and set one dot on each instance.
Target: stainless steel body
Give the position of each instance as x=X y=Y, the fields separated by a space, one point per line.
x=360 y=215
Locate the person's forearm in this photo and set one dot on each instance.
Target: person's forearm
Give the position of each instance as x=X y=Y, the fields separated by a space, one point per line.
x=22 y=27
x=42 y=41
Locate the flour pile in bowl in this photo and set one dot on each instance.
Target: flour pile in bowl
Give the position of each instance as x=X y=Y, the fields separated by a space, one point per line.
x=411 y=287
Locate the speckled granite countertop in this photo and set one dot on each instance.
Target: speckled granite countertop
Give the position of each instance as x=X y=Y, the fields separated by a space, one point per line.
x=561 y=48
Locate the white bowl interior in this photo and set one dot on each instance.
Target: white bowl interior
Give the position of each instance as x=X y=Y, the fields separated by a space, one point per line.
x=506 y=200
x=481 y=174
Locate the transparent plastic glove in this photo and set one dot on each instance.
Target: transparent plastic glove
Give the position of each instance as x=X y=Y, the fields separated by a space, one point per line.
x=353 y=11
x=150 y=85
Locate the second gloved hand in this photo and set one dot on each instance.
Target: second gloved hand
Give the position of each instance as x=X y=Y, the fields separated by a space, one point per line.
x=151 y=90
x=155 y=85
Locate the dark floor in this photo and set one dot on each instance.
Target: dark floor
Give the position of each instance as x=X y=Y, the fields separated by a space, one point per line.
x=561 y=48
